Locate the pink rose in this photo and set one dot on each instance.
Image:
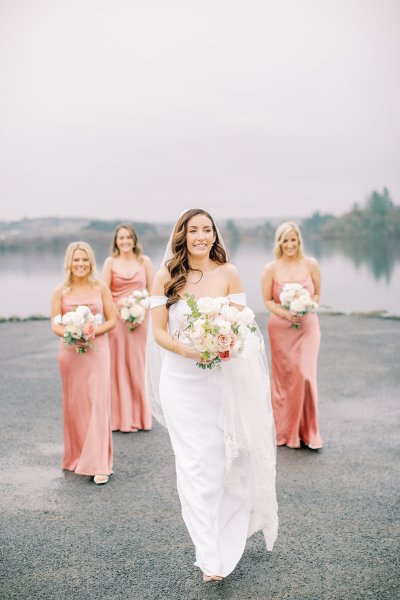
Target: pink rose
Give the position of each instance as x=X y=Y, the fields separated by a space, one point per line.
x=224 y=342
x=88 y=331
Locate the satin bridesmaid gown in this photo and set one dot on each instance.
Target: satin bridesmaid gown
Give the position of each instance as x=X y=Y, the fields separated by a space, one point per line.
x=294 y=355
x=129 y=407
x=86 y=399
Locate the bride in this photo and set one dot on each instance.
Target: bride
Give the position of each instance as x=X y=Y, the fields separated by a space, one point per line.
x=219 y=420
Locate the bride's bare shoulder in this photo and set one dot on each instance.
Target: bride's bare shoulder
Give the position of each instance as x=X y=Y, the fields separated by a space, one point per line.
x=229 y=272
x=228 y=269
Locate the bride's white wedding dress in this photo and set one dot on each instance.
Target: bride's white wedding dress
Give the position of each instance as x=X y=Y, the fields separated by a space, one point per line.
x=221 y=427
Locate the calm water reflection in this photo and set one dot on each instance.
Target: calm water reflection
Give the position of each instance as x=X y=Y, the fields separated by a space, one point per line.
x=356 y=275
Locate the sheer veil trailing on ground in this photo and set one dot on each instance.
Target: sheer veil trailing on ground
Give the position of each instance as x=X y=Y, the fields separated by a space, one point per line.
x=247 y=421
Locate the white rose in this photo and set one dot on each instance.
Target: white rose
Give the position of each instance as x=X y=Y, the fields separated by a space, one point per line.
x=286 y=298
x=231 y=314
x=282 y=298
x=208 y=305
x=200 y=345
x=220 y=302
x=77 y=318
x=223 y=326
x=137 y=294
x=197 y=331
x=125 y=313
x=289 y=292
x=136 y=310
x=58 y=320
x=98 y=319
x=82 y=309
x=75 y=332
x=306 y=300
x=211 y=344
x=297 y=306
x=126 y=302
x=247 y=316
x=67 y=318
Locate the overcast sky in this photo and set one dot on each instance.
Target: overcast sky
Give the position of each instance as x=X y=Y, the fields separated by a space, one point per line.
x=140 y=109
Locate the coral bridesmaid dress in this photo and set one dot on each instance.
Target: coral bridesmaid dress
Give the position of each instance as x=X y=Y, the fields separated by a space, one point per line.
x=129 y=407
x=86 y=400
x=294 y=355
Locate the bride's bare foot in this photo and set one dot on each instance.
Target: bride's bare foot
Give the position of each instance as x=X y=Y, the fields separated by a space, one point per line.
x=207 y=578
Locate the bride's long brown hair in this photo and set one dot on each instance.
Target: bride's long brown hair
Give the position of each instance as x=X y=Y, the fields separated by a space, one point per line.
x=178 y=266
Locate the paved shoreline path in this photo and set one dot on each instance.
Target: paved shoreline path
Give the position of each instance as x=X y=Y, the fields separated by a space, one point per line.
x=62 y=537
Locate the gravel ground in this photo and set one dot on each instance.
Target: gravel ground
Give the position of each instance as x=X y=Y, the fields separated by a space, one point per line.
x=62 y=537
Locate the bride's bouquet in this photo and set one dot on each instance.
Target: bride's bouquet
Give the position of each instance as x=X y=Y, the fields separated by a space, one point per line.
x=133 y=308
x=297 y=300
x=215 y=329
x=79 y=326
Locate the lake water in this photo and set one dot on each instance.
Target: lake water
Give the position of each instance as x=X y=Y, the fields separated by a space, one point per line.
x=356 y=277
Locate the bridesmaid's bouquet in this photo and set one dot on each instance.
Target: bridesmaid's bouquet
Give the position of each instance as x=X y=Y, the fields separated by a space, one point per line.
x=133 y=308
x=215 y=329
x=297 y=300
x=79 y=326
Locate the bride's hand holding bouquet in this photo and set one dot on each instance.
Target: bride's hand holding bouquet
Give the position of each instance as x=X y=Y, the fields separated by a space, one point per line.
x=214 y=330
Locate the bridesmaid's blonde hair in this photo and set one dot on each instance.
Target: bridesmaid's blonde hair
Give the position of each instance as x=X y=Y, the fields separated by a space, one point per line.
x=280 y=234
x=69 y=253
x=137 y=248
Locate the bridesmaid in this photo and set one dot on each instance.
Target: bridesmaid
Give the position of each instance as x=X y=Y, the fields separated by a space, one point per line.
x=125 y=271
x=85 y=377
x=294 y=352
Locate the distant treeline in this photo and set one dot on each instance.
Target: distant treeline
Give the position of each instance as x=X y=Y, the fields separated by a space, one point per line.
x=377 y=219
x=108 y=227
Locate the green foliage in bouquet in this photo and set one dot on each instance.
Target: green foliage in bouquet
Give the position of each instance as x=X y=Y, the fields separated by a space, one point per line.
x=71 y=341
x=208 y=328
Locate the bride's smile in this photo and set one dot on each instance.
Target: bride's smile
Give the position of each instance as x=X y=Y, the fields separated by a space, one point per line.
x=200 y=236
